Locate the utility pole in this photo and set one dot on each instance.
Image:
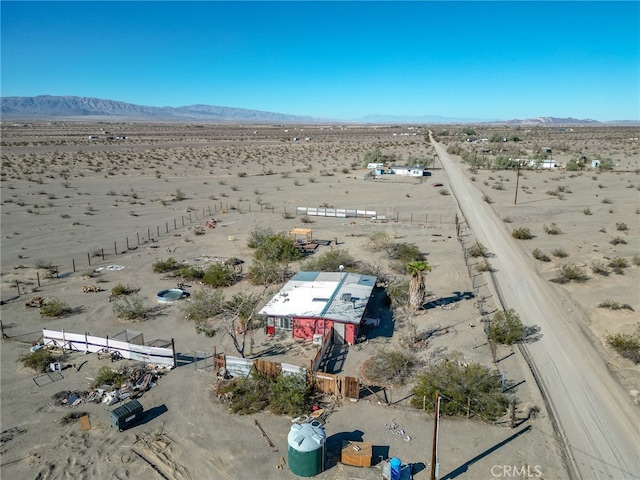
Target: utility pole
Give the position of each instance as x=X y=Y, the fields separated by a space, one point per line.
x=515 y=200
x=435 y=466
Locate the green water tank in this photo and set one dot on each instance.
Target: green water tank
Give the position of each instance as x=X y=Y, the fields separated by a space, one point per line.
x=305 y=448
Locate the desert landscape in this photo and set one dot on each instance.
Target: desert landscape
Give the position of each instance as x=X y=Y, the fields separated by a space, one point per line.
x=81 y=196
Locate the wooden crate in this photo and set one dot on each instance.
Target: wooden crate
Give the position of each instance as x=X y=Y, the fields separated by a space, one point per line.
x=357 y=454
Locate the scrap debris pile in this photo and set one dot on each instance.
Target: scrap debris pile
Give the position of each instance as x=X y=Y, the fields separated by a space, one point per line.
x=136 y=381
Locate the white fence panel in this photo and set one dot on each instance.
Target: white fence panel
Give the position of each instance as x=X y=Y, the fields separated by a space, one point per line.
x=238 y=367
x=288 y=369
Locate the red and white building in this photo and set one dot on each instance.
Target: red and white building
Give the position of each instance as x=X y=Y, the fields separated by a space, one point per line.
x=313 y=302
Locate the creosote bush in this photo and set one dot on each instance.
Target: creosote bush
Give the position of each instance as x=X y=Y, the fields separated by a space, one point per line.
x=55 y=308
x=38 y=360
x=540 y=255
x=599 y=268
x=552 y=229
x=457 y=382
x=108 y=376
x=570 y=272
x=522 y=233
x=132 y=308
x=391 y=367
x=477 y=250
x=285 y=394
x=559 y=252
x=613 y=305
x=627 y=345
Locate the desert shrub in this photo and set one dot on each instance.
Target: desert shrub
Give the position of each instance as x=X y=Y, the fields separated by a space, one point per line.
x=286 y=394
x=627 y=345
x=305 y=219
x=405 y=252
x=506 y=328
x=458 y=382
x=131 y=308
x=398 y=293
x=121 y=289
x=267 y=273
x=487 y=199
x=621 y=226
x=618 y=240
x=191 y=272
x=618 y=262
x=330 y=262
x=108 y=376
x=607 y=200
x=613 y=305
x=444 y=191
x=522 y=233
x=540 y=255
x=552 y=229
x=587 y=211
x=391 y=367
x=379 y=241
x=179 y=195
x=55 y=308
x=477 y=250
x=219 y=275
x=277 y=248
x=163 y=266
x=257 y=236
x=599 y=268
x=570 y=272
x=635 y=260
x=204 y=304
x=559 y=252
x=484 y=266
x=38 y=360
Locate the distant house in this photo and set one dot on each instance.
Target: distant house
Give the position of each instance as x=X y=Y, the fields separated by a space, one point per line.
x=546 y=150
x=373 y=166
x=313 y=302
x=407 y=171
x=533 y=163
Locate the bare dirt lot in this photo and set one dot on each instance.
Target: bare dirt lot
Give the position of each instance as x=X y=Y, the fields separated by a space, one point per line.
x=80 y=204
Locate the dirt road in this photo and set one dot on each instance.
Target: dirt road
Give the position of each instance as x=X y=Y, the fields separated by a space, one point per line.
x=594 y=414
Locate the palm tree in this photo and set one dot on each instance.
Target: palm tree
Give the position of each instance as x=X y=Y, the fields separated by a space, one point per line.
x=416 y=286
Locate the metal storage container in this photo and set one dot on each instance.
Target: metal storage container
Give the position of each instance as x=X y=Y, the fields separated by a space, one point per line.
x=127 y=414
x=306 y=443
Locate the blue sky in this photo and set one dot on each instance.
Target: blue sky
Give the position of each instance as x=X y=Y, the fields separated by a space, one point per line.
x=342 y=60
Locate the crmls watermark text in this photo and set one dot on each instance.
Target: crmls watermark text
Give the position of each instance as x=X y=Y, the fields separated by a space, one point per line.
x=516 y=471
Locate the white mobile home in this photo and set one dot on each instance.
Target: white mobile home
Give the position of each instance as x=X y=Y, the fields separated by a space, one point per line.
x=407 y=171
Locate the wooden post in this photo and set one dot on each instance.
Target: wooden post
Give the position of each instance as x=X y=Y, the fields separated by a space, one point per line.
x=424 y=403
x=173 y=349
x=4 y=335
x=89 y=258
x=138 y=237
x=127 y=243
x=189 y=217
x=182 y=218
x=73 y=264
x=469 y=408
x=38 y=276
x=434 y=451
x=158 y=230
x=166 y=226
x=102 y=251
x=115 y=248
x=174 y=224
x=18 y=287
x=148 y=234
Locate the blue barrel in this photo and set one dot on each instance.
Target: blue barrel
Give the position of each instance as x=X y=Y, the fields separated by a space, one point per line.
x=396 y=465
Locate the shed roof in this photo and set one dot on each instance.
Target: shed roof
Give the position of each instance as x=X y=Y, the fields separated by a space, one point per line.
x=339 y=296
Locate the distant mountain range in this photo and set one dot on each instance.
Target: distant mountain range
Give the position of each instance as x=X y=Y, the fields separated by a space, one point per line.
x=87 y=108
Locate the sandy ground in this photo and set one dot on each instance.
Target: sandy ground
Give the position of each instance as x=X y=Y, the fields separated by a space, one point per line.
x=67 y=200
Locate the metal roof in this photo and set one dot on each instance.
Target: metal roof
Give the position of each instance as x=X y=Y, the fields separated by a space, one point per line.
x=339 y=296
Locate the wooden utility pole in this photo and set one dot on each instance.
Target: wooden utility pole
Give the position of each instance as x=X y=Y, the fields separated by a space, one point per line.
x=434 y=452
